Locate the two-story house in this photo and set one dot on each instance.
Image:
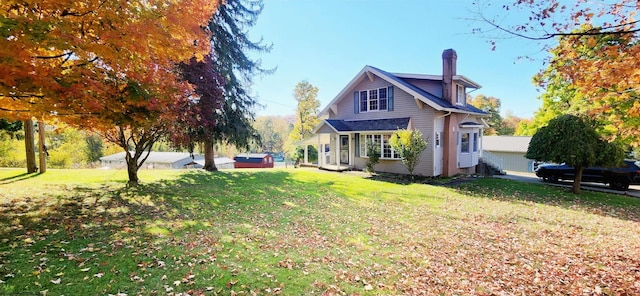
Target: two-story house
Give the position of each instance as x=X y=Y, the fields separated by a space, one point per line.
x=376 y=103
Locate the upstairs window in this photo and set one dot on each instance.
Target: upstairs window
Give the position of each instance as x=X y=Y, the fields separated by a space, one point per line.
x=373 y=100
x=382 y=97
x=363 y=101
x=461 y=97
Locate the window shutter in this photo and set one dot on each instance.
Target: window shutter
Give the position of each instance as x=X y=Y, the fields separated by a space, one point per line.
x=356 y=103
x=357 y=135
x=390 y=98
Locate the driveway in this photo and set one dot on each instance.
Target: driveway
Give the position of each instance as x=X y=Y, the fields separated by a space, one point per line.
x=634 y=190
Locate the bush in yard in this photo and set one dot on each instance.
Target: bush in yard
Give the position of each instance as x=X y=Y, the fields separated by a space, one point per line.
x=572 y=140
x=408 y=144
x=373 y=152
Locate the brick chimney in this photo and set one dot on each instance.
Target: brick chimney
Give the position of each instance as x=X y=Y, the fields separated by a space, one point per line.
x=449 y=58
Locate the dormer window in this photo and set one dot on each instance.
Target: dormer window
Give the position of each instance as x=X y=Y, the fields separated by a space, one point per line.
x=461 y=96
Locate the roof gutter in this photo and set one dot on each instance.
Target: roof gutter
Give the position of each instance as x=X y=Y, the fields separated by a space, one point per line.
x=462 y=111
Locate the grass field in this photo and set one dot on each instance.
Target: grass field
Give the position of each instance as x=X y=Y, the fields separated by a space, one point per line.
x=308 y=232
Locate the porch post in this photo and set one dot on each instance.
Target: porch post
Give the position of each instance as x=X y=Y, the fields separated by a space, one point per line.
x=306 y=153
x=338 y=151
x=320 y=153
x=351 y=154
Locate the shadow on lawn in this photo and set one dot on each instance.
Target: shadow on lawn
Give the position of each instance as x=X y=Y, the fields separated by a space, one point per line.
x=402 y=179
x=20 y=177
x=114 y=206
x=609 y=205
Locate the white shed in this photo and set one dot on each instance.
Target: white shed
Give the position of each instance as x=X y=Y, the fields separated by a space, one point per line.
x=156 y=160
x=511 y=149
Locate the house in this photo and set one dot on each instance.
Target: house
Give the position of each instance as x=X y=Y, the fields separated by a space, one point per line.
x=253 y=160
x=508 y=152
x=156 y=160
x=376 y=103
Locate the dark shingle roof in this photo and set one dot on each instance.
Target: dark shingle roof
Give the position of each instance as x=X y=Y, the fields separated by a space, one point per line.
x=506 y=143
x=437 y=100
x=389 y=124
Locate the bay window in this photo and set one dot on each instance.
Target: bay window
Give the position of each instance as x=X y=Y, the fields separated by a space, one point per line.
x=464 y=143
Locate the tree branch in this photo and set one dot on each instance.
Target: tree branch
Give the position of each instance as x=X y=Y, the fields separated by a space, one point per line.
x=66 y=54
x=608 y=30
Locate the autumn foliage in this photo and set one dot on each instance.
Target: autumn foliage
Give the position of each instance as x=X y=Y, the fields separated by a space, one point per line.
x=62 y=57
x=597 y=55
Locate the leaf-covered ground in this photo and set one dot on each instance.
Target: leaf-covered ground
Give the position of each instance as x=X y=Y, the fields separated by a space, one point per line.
x=308 y=232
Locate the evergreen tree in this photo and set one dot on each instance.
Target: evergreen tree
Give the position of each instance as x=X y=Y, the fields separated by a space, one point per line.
x=230 y=45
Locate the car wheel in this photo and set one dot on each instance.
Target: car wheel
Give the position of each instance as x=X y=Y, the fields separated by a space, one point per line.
x=619 y=184
x=553 y=179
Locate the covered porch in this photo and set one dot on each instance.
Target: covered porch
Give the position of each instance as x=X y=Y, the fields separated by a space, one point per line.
x=335 y=151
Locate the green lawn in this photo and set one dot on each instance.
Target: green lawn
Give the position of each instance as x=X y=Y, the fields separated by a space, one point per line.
x=308 y=232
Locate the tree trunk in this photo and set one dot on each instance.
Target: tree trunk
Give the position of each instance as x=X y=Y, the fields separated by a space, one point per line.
x=577 y=180
x=132 y=169
x=42 y=148
x=209 y=156
x=29 y=145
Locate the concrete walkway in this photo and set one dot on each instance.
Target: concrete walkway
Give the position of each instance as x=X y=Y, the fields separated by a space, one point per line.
x=634 y=190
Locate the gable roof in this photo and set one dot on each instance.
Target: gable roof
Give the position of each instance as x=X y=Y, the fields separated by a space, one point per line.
x=389 y=124
x=251 y=155
x=399 y=81
x=506 y=143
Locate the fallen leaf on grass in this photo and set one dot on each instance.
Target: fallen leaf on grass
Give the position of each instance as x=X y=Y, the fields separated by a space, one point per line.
x=231 y=283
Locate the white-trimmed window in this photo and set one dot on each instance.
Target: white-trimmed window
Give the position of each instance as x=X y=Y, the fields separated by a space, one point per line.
x=464 y=143
x=461 y=96
x=475 y=142
x=380 y=140
x=373 y=100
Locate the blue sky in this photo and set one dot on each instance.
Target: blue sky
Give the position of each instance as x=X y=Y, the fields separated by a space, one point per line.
x=327 y=42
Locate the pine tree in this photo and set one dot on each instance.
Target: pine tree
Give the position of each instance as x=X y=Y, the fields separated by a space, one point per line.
x=229 y=53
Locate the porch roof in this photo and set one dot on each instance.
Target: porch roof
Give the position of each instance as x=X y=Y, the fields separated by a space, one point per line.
x=388 y=124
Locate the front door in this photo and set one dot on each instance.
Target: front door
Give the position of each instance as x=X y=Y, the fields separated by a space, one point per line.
x=438 y=154
x=344 y=149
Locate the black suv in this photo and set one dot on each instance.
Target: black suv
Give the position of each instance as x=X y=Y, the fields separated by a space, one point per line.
x=618 y=178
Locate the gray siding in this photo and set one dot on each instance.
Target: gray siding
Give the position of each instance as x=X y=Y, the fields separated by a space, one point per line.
x=404 y=106
x=433 y=87
x=514 y=161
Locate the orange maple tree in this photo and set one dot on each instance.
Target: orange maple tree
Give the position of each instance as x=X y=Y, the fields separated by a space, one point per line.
x=597 y=54
x=60 y=57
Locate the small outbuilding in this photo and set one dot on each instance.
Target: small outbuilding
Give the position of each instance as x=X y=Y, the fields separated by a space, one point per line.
x=222 y=163
x=253 y=160
x=156 y=160
x=510 y=151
